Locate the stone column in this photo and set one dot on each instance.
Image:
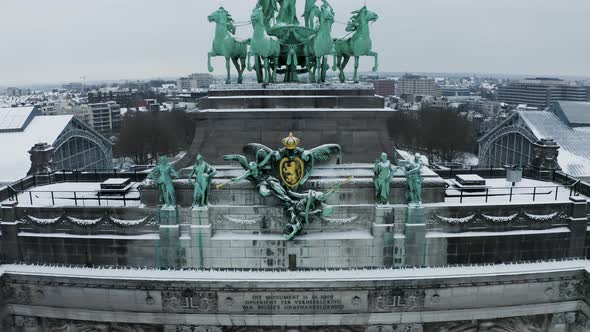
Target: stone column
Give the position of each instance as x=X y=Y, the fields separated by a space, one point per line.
x=169 y=250
x=577 y=223
x=196 y=237
x=545 y=158
x=9 y=246
x=383 y=236
x=41 y=158
x=415 y=241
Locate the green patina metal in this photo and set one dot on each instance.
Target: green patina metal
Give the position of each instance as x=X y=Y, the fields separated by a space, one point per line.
x=281 y=173
x=226 y=45
x=162 y=175
x=201 y=178
x=357 y=45
x=264 y=48
x=384 y=172
x=280 y=45
x=414 y=179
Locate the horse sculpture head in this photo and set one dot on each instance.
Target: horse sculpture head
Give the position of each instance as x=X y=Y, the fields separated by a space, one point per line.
x=257 y=16
x=361 y=18
x=223 y=17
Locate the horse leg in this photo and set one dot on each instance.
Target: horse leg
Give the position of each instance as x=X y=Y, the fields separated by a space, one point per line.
x=249 y=55
x=376 y=56
x=266 y=69
x=243 y=67
x=274 y=68
x=259 y=73
x=334 y=65
x=209 y=66
x=342 y=67
x=318 y=69
x=356 y=68
x=325 y=68
x=228 y=68
x=237 y=65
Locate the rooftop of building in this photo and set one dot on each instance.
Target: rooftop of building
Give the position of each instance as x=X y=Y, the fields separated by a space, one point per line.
x=23 y=128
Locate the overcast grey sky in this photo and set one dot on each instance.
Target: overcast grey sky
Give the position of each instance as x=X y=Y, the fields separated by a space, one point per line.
x=44 y=41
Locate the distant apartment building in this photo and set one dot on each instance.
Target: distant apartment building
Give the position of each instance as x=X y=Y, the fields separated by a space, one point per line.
x=194 y=82
x=72 y=86
x=106 y=118
x=17 y=92
x=81 y=112
x=454 y=91
x=124 y=98
x=383 y=87
x=540 y=92
x=416 y=85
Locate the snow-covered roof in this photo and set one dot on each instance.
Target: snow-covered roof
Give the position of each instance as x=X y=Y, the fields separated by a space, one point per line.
x=14 y=145
x=576 y=113
x=574 y=154
x=15 y=118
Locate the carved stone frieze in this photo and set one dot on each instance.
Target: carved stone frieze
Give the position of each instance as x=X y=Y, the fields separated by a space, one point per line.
x=65 y=325
x=396 y=300
x=570 y=289
x=189 y=300
x=25 y=321
x=539 y=323
x=191 y=328
x=17 y=294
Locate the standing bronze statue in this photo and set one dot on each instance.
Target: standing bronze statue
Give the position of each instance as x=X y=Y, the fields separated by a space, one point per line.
x=287 y=13
x=163 y=174
x=414 y=179
x=383 y=173
x=202 y=174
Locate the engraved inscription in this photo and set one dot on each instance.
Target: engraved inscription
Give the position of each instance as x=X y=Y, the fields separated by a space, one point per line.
x=293 y=302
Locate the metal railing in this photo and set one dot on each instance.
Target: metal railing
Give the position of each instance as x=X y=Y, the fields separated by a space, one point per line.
x=76 y=198
x=513 y=194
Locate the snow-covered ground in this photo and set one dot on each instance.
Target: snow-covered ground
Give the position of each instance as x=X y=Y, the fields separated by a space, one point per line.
x=492 y=270
x=75 y=194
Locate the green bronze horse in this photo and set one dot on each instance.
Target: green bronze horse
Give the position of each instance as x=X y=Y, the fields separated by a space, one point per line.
x=357 y=45
x=321 y=45
x=226 y=45
x=263 y=47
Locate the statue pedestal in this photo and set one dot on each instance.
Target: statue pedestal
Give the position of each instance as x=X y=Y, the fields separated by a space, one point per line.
x=196 y=233
x=383 y=233
x=415 y=236
x=168 y=247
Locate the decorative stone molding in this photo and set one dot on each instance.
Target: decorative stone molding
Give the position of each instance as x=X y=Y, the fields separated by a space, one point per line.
x=570 y=289
x=64 y=219
x=189 y=300
x=189 y=328
x=519 y=217
x=17 y=294
x=388 y=300
x=25 y=321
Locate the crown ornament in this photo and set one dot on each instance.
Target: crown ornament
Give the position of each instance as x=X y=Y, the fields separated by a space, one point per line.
x=291 y=142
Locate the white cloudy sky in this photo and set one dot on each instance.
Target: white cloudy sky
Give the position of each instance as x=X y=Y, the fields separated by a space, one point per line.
x=43 y=41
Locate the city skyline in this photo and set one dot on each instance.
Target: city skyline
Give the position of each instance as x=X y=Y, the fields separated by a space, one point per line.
x=64 y=40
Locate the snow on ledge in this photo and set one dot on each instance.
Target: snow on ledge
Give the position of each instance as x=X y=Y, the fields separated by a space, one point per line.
x=282 y=276
x=92 y=236
x=478 y=234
